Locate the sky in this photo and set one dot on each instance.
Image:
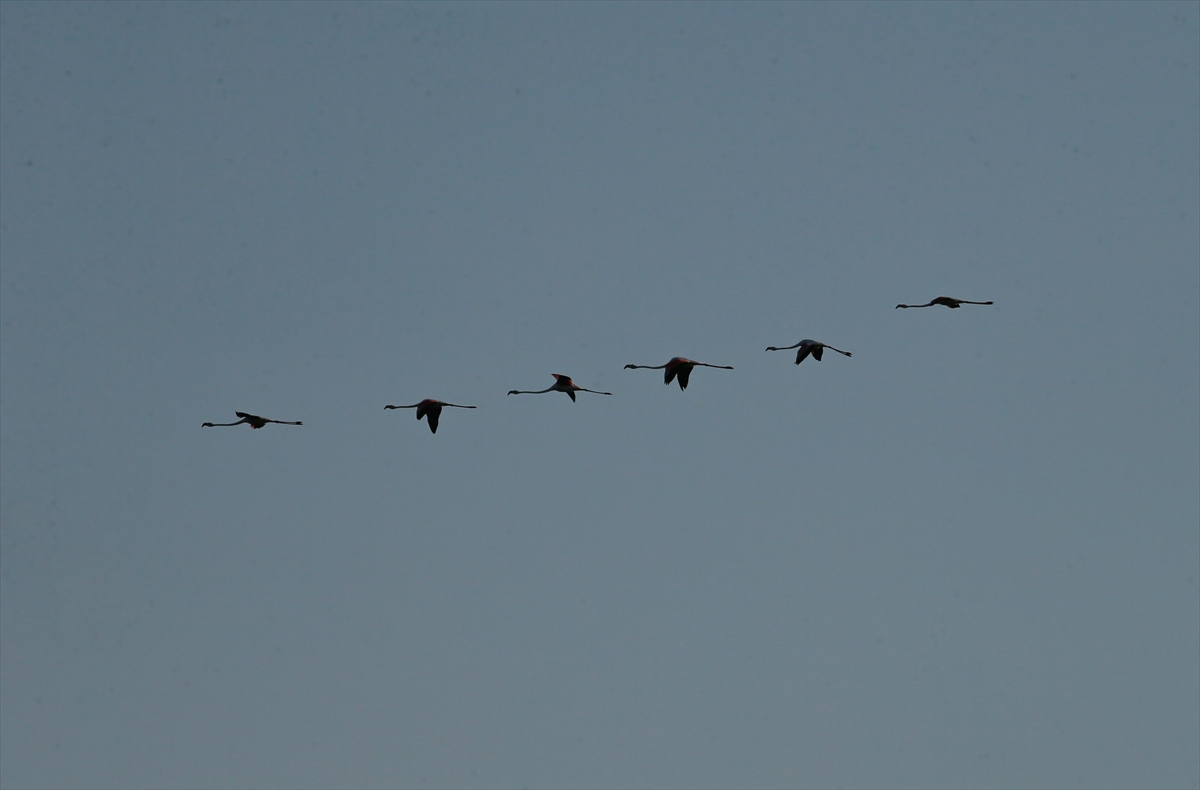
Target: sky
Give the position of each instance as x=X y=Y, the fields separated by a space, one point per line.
x=966 y=556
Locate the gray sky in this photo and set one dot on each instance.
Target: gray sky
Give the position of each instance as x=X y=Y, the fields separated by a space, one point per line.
x=965 y=557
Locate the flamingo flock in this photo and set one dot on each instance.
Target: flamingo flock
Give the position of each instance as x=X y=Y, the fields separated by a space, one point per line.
x=675 y=369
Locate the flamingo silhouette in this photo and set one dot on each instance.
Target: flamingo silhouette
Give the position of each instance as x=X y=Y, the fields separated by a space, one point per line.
x=678 y=366
x=810 y=347
x=255 y=421
x=948 y=301
x=430 y=409
x=561 y=384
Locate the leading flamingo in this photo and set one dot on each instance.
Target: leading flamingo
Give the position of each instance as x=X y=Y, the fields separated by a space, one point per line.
x=810 y=347
x=255 y=421
x=678 y=366
x=430 y=409
x=948 y=301
x=561 y=384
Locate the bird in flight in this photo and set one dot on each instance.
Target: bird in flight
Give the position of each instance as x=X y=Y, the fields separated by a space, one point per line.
x=810 y=347
x=430 y=409
x=561 y=384
x=948 y=301
x=255 y=421
x=678 y=366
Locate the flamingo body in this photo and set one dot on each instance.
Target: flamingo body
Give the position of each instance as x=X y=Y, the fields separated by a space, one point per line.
x=430 y=409
x=945 y=301
x=561 y=384
x=678 y=367
x=253 y=420
x=810 y=347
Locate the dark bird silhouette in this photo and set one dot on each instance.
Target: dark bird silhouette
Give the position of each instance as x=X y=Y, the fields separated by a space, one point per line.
x=430 y=409
x=678 y=366
x=561 y=384
x=948 y=301
x=255 y=421
x=810 y=347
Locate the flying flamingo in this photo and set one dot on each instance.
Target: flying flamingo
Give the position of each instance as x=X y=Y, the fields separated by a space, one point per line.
x=255 y=421
x=678 y=366
x=948 y=301
x=810 y=347
x=561 y=384
x=430 y=409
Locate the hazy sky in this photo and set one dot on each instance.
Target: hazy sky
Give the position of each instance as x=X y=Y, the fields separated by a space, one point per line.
x=968 y=556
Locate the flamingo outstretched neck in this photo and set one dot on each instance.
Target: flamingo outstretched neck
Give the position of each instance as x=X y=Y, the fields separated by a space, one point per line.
x=255 y=421
x=810 y=347
x=561 y=384
x=677 y=366
x=430 y=409
x=947 y=301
